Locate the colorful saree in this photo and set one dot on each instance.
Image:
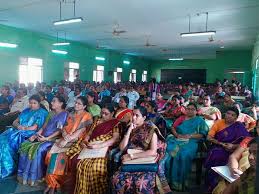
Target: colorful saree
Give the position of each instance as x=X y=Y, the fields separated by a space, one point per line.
x=217 y=155
x=181 y=153
x=120 y=114
x=172 y=114
x=11 y=139
x=210 y=111
x=144 y=181
x=159 y=121
x=57 y=162
x=31 y=166
x=92 y=173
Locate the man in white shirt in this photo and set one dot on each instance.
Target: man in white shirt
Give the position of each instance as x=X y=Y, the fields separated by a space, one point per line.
x=123 y=92
x=72 y=98
x=133 y=97
x=20 y=102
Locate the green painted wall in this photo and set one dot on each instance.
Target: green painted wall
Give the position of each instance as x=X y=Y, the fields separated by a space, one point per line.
x=216 y=68
x=38 y=45
x=255 y=57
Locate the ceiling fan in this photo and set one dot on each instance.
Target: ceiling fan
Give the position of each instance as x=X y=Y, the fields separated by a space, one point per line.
x=116 y=30
x=148 y=44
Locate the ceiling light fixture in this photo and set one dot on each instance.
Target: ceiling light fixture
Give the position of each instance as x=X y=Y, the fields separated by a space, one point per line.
x=126 y=62
x=8 y=45
x=64 y=43
x=201 y=33
x=100 y=58
x=69 y=20
x=175 y=59
x=61 y=44
x=237 y=72
x=59 y=52
x=206 y=33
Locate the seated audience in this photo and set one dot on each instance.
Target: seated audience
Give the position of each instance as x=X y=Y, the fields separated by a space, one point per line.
x=92 y=108
x=133 y=97
x=122 y=92
x=5 y=100
x=208 y=112
x=246 y=182
x=32 y=168
x=160 y=102
x=225 y=134
x=72 y=96
x=156 y=117
x=25 y=126
x=49 y=93
x=144 y=137
x=248 y=121
x=20 y=102
x=182 y=147
x=92 y=173
x=43 y=102
x=174 y=110
x=242 y=165
x=123 y=113
x=76 y=124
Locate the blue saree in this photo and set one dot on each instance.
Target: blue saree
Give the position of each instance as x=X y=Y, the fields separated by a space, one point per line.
x=11 y=139
x=31 y=165
x=181 y=153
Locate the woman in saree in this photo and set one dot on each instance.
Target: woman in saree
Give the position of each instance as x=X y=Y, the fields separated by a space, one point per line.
x=155 y=117
x=26 y=125
x=124 y=114
x=173 y=110
x=92 y=173
x=160 y=102
x=146 y=138
x=208 y=112
x=247 y=120
x=75 y=126
x=182 y=146
x=32 y=168
x=225 y=135
x=246 y=180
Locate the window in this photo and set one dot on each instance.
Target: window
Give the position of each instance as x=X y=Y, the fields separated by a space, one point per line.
x=144 y=76
x=30 y=70
x=133 y=75
x=98 y=74
x=117 y=75
x=73 y=71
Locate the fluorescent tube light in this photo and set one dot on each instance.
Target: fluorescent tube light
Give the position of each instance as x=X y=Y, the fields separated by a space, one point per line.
x=237 y=72
x=8 y=45
x=100 y=58
x=61 y=44
x=203 y=33
x=68 y=21
x=126 y=62
x=59 y=52
x=175 y=59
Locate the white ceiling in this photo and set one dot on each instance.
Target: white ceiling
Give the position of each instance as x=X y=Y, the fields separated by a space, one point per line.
x=236 y=23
